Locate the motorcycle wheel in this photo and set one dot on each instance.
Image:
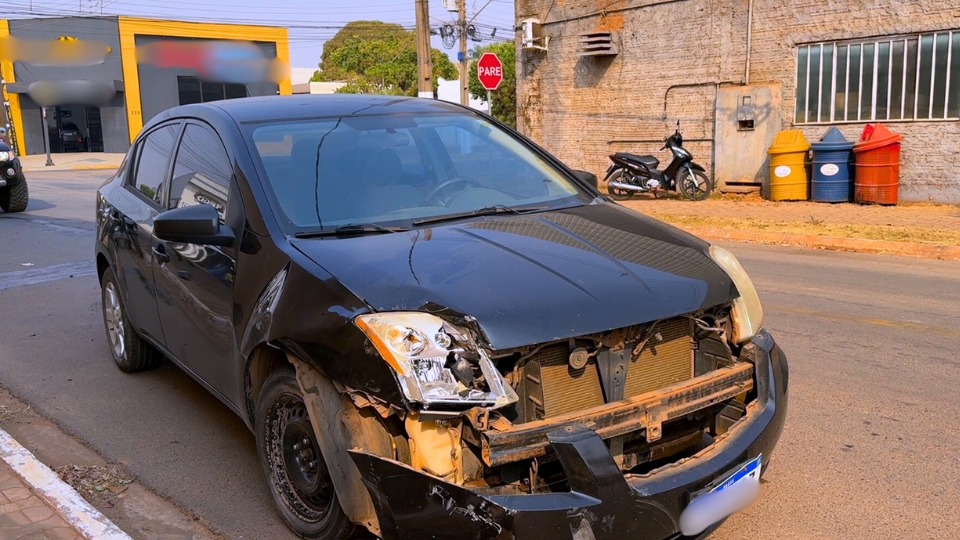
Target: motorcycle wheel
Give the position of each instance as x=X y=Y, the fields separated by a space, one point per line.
x=616 y=193
x=694 y=184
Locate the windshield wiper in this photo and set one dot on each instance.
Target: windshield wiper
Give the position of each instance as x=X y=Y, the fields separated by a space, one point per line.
x=353 y=229
x=485 y=211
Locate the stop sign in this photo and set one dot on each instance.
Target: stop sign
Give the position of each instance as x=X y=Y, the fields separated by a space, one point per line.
x=489 y=71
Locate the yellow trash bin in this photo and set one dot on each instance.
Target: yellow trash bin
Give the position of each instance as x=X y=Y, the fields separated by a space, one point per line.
x=788 y=168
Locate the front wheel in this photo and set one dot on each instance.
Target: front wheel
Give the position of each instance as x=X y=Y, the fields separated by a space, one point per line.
x=693 y=184
x=14 y=198
x=618 y=194
x=296 y=470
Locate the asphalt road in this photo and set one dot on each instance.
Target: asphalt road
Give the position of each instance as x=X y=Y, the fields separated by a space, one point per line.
x=869 y=449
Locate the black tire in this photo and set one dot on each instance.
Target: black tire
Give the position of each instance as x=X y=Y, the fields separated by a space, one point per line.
x=295 y=469
x=129 y=351
x=15 y=198
x=696 y=186
x=615 y=193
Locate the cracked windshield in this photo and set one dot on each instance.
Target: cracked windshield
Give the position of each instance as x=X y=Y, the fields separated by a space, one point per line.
x=399 y=169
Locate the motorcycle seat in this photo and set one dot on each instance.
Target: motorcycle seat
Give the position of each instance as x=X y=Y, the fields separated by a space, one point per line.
x=650 y=161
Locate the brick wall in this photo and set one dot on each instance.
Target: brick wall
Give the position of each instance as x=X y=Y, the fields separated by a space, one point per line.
x=583 y=109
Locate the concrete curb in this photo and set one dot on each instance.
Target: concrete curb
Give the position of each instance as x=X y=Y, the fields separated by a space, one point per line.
x=103 y=167
x=87 y=520
x=887 y=247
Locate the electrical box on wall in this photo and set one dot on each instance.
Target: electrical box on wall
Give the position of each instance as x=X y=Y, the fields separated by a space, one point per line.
x=746 y=113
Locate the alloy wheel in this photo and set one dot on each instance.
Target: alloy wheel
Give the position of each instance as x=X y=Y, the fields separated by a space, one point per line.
x=113 y=316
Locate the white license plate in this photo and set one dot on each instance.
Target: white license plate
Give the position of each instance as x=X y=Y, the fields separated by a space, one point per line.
x=733 y=494
x=749 y=471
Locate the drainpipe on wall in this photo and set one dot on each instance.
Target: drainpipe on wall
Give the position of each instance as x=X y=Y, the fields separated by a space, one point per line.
x=746 y=67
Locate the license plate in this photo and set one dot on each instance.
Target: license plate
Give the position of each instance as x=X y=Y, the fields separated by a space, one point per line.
x=749 y=471
x=732 y=494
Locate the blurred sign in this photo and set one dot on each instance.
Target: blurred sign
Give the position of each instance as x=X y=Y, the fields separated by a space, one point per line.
x=221 y=61
x=63 y=51
x=78 y=92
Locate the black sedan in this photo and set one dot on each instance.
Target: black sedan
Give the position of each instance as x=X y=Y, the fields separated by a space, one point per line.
x=434 y=328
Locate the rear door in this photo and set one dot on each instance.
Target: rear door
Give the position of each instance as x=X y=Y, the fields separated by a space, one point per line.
x=134 y=208
x=195 y=282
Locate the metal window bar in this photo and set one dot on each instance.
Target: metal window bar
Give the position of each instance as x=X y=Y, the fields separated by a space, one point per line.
x=876 y=64
x=833 y=85
x=846 y=93
x=860 y=86
x=820 y=86
x=806 y=106
x=889 y=77
x=903 y=88
x=933 y=76
x=946 y=93
x=916 y=90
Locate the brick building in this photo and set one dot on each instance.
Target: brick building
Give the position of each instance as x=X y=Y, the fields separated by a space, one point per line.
x=809 y=65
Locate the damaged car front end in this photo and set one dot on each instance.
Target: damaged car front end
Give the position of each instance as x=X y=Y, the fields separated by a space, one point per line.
x=591 y=436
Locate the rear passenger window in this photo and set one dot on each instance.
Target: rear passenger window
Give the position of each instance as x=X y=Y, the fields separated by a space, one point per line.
x=202 y=171
x=154 y=158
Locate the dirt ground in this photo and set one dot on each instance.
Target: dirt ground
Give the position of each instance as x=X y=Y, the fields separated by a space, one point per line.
x=909 y=222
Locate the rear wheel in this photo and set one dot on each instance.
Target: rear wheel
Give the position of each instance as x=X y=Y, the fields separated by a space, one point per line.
x=618 y=194
x=129 y=351
x=296 y=470
x=14 y=198
x=694 y=184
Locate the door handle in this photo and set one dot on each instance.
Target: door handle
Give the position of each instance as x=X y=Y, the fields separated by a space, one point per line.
x=160 y=253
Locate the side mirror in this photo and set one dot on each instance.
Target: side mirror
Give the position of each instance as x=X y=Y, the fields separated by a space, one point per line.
x=197 y=224
x=587 y=177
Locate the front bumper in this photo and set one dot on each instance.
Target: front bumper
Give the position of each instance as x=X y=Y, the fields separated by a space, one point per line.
x=7 y=179
x=602 y=502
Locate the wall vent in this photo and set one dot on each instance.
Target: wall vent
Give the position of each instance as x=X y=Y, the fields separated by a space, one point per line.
x=599 y=44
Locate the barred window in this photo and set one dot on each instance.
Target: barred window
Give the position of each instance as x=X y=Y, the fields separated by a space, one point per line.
x=915 y=77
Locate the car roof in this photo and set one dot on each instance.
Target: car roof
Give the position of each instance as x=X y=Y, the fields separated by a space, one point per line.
x=267 y=108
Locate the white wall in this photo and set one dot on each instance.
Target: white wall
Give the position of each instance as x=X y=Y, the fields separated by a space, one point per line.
x=450 y=91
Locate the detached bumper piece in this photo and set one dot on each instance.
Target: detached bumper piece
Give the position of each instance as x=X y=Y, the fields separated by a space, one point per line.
x=603 y=503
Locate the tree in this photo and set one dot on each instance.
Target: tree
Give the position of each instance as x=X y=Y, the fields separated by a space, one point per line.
x=317 y=76
x=504 y=97
x=375 y=57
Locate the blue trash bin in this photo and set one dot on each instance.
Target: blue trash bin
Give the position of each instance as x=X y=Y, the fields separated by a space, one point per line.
x=833 y=166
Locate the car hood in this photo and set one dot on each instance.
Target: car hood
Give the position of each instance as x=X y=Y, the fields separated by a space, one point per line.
x=530 y=279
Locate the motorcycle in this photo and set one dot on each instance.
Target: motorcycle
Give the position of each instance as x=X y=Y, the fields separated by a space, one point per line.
x=630 y=174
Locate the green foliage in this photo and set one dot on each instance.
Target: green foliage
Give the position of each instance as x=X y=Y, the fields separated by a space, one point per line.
x=374 y=57
x=504 y=97
x=317 y=76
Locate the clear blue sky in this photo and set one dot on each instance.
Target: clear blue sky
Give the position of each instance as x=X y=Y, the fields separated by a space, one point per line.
x=311 y=22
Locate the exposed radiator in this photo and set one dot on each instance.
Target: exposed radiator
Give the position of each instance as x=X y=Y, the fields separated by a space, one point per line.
x=551 y=387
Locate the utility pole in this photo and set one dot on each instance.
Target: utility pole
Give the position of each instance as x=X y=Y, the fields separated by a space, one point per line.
x=424 y=62
x=464 y=76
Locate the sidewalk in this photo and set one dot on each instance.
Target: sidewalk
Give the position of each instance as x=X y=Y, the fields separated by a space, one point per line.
x=74 y=161
x=36 y=504
x=23 y=514
x=910 y=229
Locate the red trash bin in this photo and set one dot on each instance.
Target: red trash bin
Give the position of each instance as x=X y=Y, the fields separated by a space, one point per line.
x=878 y=166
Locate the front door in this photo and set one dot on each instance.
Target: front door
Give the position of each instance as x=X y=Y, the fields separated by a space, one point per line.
x=134 y=208
x=195 y=283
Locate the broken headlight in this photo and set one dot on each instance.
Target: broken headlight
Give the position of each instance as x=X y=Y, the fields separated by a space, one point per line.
x=747 y=313
x=437 y=363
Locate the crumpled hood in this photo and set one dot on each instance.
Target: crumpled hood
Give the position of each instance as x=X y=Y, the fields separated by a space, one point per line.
x=534 y=278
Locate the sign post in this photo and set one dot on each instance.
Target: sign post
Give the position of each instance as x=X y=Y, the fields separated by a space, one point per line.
x=490 y=74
